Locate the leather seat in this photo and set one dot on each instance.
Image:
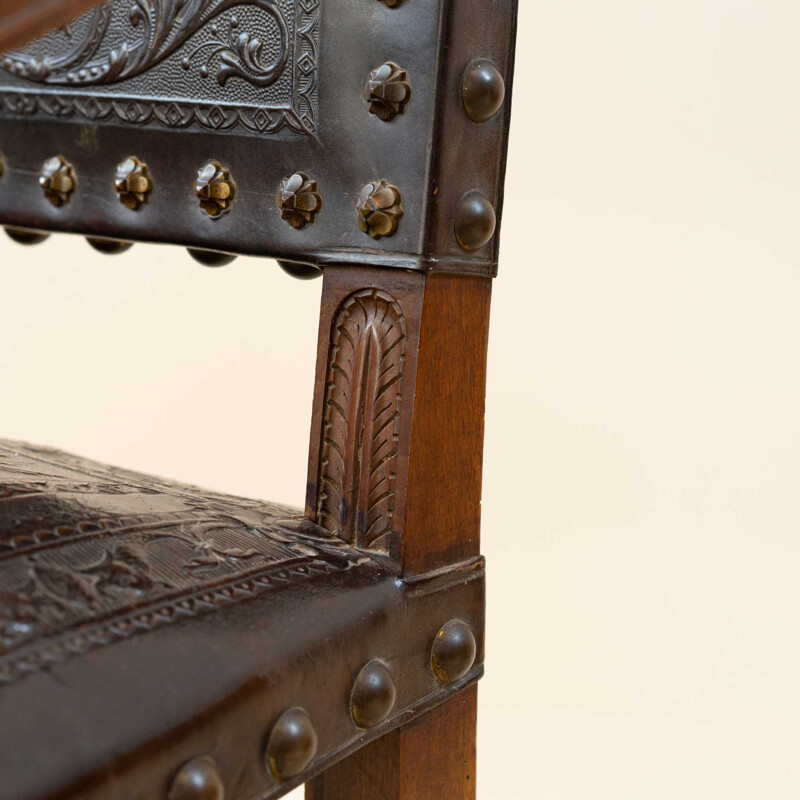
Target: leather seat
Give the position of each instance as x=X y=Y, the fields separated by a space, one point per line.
x=143 y=622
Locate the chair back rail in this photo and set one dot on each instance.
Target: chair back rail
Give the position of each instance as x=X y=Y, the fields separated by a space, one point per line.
x=313 y=131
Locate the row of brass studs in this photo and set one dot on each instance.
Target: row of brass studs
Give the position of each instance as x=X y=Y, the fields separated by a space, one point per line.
x=483 y=92
x=388 y=90
x=292 y=742
x=379 y=206
x=208 y=258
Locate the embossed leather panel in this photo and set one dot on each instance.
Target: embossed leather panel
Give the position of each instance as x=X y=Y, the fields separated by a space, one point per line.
x=90 y=555
x=250 y=66
x=268 y=89
x=144 y=622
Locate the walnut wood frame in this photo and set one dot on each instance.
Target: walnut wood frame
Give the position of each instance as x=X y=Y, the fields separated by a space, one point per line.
x=436 y=518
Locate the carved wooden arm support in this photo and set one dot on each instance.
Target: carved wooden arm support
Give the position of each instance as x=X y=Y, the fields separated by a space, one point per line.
x=397 y=433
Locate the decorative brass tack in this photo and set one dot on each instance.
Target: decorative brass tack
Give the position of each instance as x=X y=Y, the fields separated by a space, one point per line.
x=483 y=90
x=133 y=183
x=453 y=652
x=475 y=221
x=387 y=91
x=299 y=200
x=58 y=180
x=109 y=247
x=379 y=209
x=24 y=236
x=292 y=744
x=392 y=3
x=373 y=696
x=303 y=272
x=215 y=189
x=210 y=258
x=198 y=779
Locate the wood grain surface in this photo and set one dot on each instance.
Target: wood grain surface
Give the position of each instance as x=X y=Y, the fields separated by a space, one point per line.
x=432 y=759
x=23 y=20
x=437 y=409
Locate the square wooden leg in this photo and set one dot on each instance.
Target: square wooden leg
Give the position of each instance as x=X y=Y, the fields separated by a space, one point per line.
x=433 y=758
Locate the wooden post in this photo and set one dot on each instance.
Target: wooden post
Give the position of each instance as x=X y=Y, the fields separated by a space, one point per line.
x=401 y=381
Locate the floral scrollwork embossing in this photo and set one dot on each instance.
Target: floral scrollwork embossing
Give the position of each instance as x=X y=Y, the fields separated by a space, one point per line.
x=164 y=27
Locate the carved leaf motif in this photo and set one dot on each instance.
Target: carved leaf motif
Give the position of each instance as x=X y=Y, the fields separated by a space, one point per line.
x=362 y=409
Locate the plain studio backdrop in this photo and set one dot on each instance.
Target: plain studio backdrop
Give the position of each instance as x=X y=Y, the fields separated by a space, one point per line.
x=642 y=441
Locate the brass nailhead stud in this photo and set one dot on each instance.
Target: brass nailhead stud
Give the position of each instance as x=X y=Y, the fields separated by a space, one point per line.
x=379 y=209
x=453 y=652
x=475 y=221
x=392 y=3
x=303 y=272
x=198 y=779
x=374 y=695
x=292 y=744
x=483 y=90
x=24 y=236
x=387 y=91
x=109 y=247
x=133 y=183
x=299 y=200
x=58 y=180
x=215 y=189
x=210 y=258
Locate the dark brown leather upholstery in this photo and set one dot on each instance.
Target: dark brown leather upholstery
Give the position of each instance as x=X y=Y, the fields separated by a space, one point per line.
x=144 y=622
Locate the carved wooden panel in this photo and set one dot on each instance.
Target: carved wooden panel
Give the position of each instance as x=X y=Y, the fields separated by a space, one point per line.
x=90 y=555
x=232 y=64
x=363 y=397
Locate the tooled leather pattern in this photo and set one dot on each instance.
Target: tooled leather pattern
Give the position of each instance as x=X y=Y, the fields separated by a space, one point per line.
x=90 y=554
x=112 y=64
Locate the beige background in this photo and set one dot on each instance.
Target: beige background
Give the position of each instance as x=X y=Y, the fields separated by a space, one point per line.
x=643 y=448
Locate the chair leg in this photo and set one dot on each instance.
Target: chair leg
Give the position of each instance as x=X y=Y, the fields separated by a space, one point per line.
x=433 y=758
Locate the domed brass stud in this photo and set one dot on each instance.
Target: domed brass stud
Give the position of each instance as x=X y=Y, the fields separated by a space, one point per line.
x=109 y=247
x=475 y=221
x=373 y=696
x=392 y=3
x=299 y=200
x=483 y=90
x=291 y=745
x=198 y=779
x=58 y=180
x=379 y=209
x=210 y=258
x=303 y=272
x=24 y=236
x=215 y=189
x=453 y=652
x=387 y=91
x=133 y=183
